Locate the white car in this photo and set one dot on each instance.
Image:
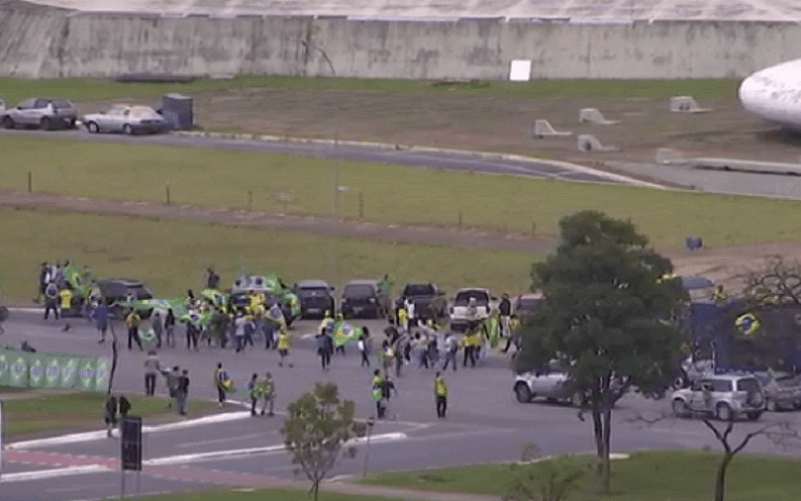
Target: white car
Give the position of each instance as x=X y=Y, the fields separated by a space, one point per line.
x=724 y=397
x=126 y=119
x=45 y=113
x=471 y=305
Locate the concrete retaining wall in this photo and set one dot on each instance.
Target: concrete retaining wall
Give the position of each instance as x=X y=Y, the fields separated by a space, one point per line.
x=38 y=42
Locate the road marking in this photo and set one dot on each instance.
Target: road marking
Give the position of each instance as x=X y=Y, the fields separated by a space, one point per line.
x=101 y=435
x=219 y=440
x=58 y=472
x=238 y=453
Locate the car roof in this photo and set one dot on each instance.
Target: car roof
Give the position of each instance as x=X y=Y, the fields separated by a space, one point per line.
x=531 y=295
x=471 y=289
x=363 y=282
x=311 y=283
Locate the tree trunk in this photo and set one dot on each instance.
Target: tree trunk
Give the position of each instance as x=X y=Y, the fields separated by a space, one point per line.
x=316 y=489
x=607 y=435
x=597 y=427
x=720 y=480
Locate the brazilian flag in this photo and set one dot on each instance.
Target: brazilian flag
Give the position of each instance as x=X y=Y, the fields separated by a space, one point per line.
x=748 y=324
x=76 y=280
x=345 y=333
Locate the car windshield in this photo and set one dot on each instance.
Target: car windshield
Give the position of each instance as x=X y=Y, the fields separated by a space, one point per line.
x=142 y=111
x=358 y=290
x=312 y=291
x=61 y=103
x=723 y=385
x=418 y=290
x=463 y=298
x=749 y=384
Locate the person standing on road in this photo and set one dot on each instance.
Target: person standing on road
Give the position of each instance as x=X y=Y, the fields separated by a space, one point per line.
x=268 y=394
x=183 y=392
x=158 y=329
x=151 y=369
x=284 y=344
x=100 y=314
x=322 y=349
x=44 y=279
x=364 y=347
x=441 y=395
x=132 y=320
x=110 y=414
x=169 y=328
x=219 y=383
x=451 y=349
x=378 y=393
x=254 y=392
x=51 y=300
x=172 y=383
x=505 y=310
x=65 y=304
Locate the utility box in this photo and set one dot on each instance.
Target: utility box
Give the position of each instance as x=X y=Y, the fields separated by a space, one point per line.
x=177 y=110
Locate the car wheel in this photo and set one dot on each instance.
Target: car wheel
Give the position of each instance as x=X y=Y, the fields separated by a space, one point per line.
x=127 y=129
x=753 y=416
x=522 y=393
x=8 y=122
x=93 y=127
x=577 y=400
x=770 y=406
x=45 y=124
x=723 y=412
x=678 y=407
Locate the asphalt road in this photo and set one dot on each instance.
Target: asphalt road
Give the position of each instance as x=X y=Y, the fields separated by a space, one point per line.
x=484 y=422
x=412 y=158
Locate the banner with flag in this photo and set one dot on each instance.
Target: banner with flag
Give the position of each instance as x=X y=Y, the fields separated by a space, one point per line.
x=288 y=297
x=748 y=324
x=216 y=297
x=345 y=333
x=77 y=280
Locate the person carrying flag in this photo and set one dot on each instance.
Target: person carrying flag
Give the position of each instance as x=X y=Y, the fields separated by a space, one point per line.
x=378 y=393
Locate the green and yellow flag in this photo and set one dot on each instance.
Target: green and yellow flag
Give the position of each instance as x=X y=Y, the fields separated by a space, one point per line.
x=345 y=333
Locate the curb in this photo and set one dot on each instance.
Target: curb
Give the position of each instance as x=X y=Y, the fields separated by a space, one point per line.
x=423 y=149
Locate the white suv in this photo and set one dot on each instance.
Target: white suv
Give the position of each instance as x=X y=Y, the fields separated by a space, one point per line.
x=725 y=397
x=470 y=305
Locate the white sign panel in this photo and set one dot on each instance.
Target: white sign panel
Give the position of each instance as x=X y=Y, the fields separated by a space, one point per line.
x=520 y=70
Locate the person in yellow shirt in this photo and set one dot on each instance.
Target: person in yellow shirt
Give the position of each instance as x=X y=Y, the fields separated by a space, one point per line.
x=65 y=298
x=284 y=344
x=441 y=395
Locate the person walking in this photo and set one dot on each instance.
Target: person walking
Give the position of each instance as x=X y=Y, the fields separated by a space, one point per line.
x=65 y=304
x=219 y=383
x=110 y=414
x=169 y=329
x=158 y=327
x=268 y=394
x=183 y=392
x=239 y=331
x=51 y=300
x=284 y=344
x=132 y=320
x=100 y=314
x=322 y=349
x=364 y=347
x=505 y=310
x=44 y=279
x=151 y=369
x=441 y=395
x=191 y=332
x=451 y=349
x=254 y=392
x=171 y=378
x=378 y=394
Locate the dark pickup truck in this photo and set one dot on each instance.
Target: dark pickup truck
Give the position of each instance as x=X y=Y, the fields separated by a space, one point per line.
x=429 y=300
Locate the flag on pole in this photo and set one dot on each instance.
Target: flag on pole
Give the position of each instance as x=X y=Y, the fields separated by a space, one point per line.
x=345 y=333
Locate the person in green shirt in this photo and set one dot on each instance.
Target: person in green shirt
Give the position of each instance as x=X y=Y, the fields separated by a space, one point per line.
x=268 y=394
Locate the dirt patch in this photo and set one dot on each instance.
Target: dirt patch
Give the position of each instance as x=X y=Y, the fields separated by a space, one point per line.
x=492 y=122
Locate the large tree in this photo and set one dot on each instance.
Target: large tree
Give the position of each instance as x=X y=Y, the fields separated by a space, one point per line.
x=607 y=316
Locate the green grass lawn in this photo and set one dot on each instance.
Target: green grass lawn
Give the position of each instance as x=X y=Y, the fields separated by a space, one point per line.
x=647 y=476
x=47 y=411
x=171 y=255
x=14 y=90
x=262 y=495
x=391 y=194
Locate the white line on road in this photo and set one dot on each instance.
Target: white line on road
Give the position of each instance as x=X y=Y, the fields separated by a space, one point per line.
x=45 y=474
x=239 y=453
x=219 y=440
x=101 y=435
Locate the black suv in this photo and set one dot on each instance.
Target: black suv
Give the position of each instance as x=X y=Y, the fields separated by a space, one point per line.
x=429 y=301
x=120 y=289
x=361 y=298
x=315 y=297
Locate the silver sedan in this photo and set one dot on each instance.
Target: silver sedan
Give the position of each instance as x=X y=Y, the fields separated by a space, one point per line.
x=126 y=119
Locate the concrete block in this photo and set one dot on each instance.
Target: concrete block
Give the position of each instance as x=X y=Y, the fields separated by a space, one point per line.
x=587 y=143
x=592 y=115
x=686 y=104
x=667 y=156
x=543 y=128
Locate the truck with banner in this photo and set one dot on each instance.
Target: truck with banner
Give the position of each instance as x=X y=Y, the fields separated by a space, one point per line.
x=21 y=369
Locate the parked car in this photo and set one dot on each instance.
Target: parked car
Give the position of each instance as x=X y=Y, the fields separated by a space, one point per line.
x=428 y=299
x=548 y=382
x=44 y=113
x=724 y=397
x=526 y=304
x=361 y=298
x=470 y=305
x=126 y=119
x=315 y=297
x=782 y=391
x=121 y=289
